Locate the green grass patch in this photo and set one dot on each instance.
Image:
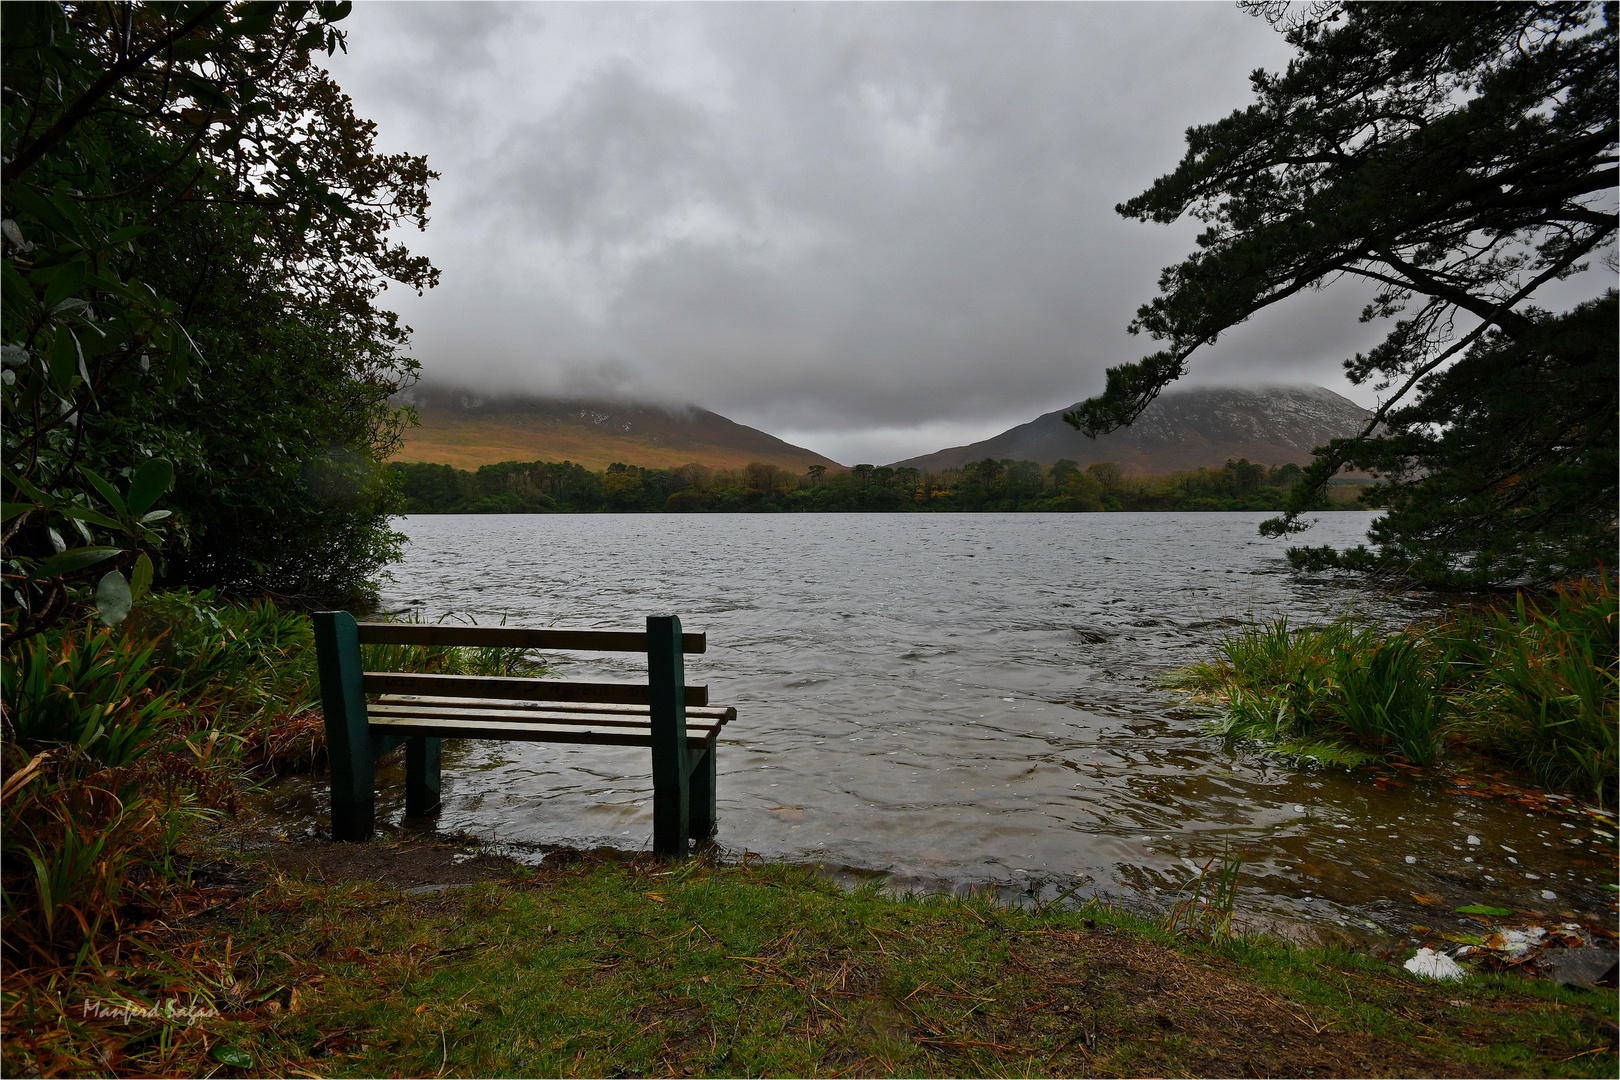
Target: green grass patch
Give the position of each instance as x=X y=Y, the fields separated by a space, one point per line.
x=613 y=968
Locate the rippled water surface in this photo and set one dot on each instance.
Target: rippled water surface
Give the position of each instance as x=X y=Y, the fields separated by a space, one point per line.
x=971 y=699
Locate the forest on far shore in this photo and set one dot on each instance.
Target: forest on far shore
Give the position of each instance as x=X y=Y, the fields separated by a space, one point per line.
x=540 y=487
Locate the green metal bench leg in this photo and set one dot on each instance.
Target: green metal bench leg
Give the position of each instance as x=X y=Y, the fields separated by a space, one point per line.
x=666 y=679
x=349 y=746
x=704 y=818
x=421 y=776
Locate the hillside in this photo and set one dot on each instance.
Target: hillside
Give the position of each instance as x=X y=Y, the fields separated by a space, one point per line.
x=1182 y=429
x=468 y=429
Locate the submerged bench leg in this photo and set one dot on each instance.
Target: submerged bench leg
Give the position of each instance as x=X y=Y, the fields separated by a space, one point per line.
x=421 y=776
x=349 y=746
x=704 y=818
x=666 y=680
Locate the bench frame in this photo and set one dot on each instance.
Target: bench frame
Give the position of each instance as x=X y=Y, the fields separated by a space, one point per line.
x=683 y=766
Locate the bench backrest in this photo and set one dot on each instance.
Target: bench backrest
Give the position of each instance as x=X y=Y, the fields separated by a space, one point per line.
x=516 y=637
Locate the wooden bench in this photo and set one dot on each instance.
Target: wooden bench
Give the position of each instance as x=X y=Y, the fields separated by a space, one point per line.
x=419 y=710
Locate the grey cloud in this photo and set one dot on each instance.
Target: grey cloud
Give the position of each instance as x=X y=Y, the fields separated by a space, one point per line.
x=847 y=221
x=615 y=158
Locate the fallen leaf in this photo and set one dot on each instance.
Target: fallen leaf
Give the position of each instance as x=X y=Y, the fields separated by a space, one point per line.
x=1428 y=899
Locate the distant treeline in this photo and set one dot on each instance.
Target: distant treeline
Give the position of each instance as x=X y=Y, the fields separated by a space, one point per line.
x=540 y=487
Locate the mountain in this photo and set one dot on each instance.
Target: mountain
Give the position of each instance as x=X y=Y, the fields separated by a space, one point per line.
x=468 y=429
x=1181 y=430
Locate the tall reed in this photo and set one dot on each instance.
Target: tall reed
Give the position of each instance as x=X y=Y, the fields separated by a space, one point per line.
x=1531 y=682
x=1544 y=675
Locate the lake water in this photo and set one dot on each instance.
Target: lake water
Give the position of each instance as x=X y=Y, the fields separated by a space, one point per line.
x=971 y=700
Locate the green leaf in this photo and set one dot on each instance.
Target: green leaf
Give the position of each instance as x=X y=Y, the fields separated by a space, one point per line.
x=127 y=233
x=69 y=206
x=70 y=561
x=114 y=287
x=156 y=515
x=67 y=281
x=179 y=360
x=28 y=489
x=140 y=579
x=32 y=202
x=113 y=598
x=234 y=1055
x=254 y=19
x=108 y=492
x=1483 y=909
x=10 y=510
x=151 y=480
x=18 y=295
x=94 y=517
x=64 y=361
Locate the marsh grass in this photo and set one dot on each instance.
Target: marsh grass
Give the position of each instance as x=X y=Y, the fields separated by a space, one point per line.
x=1531 y=683
x=1546 y=676
x=1205 y=906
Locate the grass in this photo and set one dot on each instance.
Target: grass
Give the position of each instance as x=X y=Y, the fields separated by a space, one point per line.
x=604 y=967
x=1532 y=684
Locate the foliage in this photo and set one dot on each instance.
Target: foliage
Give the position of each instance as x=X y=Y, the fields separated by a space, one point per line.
x=1462 y=510
x=1544 y=680
x=547 y=487
x=90 y=693
x=1458 y=158
x=1389 y=696
x=120 y=741
x=100 y=785
x=196 y=230
x=1533 y=683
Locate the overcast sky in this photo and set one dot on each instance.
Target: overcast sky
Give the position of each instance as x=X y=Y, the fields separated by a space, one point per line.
x=875 y=230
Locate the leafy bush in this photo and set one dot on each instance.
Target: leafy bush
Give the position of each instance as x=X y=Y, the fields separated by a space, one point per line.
x=121 y=741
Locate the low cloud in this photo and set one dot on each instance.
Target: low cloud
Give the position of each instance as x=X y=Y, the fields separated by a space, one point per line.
x=874 y=230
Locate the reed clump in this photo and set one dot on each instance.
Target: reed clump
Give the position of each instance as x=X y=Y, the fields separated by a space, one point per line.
x=1531 y=683
x=118 y=743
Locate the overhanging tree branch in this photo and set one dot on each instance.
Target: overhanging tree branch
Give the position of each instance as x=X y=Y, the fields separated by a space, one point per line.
x=86 y=101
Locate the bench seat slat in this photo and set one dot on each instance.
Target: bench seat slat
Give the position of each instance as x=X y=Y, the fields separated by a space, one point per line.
x=707 y=712
x=516 y=637
x=378 y=713
x=506 y=730
x=501 y=686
